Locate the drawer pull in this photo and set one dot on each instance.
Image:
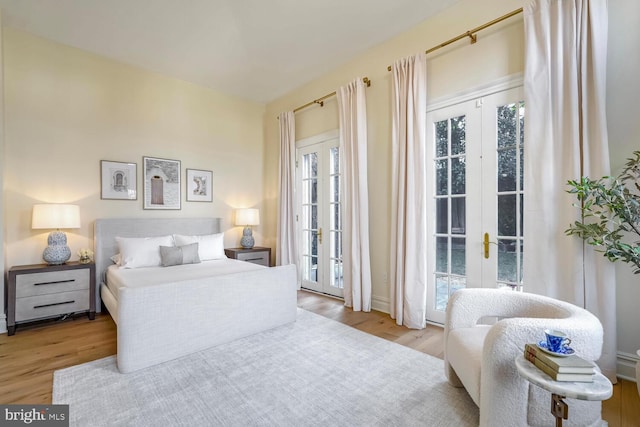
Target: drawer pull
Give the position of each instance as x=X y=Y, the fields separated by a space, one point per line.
x=55 y=303
x=54 y=283
x=254 y=259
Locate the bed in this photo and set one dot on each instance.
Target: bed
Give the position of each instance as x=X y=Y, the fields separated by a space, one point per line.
x=178 y=311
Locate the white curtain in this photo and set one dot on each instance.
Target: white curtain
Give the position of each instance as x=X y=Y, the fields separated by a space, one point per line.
x=286 y=246
x=566 y=137
x=408 y=273
x=352 y=110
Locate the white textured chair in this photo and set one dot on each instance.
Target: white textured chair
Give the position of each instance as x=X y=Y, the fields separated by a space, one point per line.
x=481 y=357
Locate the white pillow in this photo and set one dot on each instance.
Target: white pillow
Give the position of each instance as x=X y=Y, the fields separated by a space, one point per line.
x=210 y=246
x=138 y=252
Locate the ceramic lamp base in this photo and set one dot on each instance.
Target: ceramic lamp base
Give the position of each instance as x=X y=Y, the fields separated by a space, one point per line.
x=247 y=240
x=57 y=252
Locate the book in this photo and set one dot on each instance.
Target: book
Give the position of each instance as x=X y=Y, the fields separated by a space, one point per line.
x=557 y=376
x=570 y=365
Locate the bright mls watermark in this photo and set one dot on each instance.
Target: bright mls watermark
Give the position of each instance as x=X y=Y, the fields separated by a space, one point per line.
x=34 y=415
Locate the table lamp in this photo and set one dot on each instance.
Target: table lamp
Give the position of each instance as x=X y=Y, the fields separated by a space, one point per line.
x=56 y=216
x=247 y=218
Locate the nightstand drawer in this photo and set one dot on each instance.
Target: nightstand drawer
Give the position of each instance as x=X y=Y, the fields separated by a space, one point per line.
x=38 y=306
x=256 y=257
x=51 y=282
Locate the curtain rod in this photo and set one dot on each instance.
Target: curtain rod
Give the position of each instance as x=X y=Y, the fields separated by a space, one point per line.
x=320 y=100
x=471 y=33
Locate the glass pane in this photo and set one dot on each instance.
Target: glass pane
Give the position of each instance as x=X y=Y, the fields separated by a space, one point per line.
x=335 y=242
x=335 y=163
x=521 y=215
x=507 y=257
x=442 y=139
x=306 y=268
x=521 y=169
x=457 y=283
x=521 y=259
x=314 y=243
x=335 y=217
x=442 y=254
x=335 y=188
x=314 y=165
x=442 y=177
x=458 y=260
x=333 y=247
x=310 y=269
x=507 y=170
x=458 y=175
x=306 y=216
x=306 y=242
x=458 y=135
x=314 y=190
x=458 y=215
x=310 y=165
x=314 y=217
x=314 y=269
x=336 y=278
x=521 y=116
x=507 y=215
x=306 y=193
x=507 y=131
x=442 y=216
x=306 y=166
x=442 y=292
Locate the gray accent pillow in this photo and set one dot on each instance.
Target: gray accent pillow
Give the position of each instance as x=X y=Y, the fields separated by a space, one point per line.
x=178 y=255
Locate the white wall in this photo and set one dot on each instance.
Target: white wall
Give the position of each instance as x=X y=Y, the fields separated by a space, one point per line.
x=623 y=95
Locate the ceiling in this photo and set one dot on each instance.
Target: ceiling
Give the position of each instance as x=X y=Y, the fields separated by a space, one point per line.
x=254 y=49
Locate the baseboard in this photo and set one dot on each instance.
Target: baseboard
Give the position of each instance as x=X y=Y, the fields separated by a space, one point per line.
x=381 y=304
x=626 y=366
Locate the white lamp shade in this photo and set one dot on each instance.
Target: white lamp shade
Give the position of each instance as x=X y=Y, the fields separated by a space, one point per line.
x=55 y=216
x=247 y=217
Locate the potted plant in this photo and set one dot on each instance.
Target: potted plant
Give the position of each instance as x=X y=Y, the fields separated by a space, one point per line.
x=611 y=217
x=611 y=213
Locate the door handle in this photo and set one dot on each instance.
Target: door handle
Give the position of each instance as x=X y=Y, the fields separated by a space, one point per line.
x=320 y=235
x=486 y=243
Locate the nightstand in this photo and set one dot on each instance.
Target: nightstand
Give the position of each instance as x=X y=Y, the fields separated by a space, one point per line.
x=43 y=291
x=256 y=255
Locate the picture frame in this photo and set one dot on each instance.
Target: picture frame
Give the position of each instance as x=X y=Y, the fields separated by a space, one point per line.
x=118 y=180
x=162 y=186
x=199 y=185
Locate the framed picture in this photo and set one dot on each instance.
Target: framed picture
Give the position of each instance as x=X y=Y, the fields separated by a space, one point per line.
x=199 y=185
x=161 y=183
x=118 y=180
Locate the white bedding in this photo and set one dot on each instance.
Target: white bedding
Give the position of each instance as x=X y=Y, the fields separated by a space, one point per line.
x=147 y=276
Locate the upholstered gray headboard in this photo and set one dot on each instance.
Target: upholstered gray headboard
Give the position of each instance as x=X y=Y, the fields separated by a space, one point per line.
x=106 y=230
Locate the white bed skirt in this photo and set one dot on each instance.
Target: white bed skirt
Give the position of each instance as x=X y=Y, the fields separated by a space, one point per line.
x=163 y=322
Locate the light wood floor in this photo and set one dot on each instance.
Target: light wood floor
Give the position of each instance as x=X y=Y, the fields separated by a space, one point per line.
x=28 y=359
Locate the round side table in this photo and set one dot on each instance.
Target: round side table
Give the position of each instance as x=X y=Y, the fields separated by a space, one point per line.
x=599 y=389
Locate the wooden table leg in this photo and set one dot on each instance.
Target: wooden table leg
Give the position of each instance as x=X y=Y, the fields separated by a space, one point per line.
x=559 y=409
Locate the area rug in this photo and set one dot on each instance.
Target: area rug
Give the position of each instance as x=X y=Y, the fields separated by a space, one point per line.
x=314 y=372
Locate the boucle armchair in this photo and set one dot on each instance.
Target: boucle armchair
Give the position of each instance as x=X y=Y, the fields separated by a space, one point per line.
x=480 y=357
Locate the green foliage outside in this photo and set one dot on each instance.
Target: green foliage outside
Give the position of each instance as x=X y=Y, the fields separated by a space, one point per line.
x=611 y=213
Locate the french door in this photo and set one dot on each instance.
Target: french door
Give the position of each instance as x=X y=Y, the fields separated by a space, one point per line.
x=319 y=214
x=475 y=196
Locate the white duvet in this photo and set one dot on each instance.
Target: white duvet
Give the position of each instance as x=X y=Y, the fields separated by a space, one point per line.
x=146 y=276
